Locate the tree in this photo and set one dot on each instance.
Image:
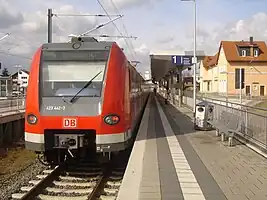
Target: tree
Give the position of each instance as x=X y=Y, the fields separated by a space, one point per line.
x=5 y=72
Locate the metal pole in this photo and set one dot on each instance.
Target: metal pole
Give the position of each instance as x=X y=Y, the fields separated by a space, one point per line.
x=18 y=88
x=50 y=15
x=240 y=85
x=195 y=59
x=227 y=87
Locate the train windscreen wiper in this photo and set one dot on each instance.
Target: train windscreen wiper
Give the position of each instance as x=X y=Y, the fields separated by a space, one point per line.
x=85 y=86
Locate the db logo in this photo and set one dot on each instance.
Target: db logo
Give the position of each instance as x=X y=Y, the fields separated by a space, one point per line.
x=69 y=123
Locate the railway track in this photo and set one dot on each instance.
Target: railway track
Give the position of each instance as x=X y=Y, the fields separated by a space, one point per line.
x=83 y=181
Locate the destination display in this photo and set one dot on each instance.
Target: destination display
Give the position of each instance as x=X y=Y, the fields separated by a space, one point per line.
x=88 y=55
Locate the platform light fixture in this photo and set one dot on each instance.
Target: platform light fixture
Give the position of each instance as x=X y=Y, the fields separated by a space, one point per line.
x=194 y=57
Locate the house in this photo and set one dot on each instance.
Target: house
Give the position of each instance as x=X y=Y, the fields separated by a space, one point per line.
x=221 y=73
x=20 y=80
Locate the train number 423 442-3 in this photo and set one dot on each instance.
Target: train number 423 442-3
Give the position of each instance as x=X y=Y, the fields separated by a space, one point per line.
x=57 y=108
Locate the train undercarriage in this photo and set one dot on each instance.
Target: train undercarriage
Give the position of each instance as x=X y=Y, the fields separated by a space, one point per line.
x=74 y=147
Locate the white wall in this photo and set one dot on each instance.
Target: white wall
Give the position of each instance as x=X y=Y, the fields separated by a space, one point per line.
x=23 y=79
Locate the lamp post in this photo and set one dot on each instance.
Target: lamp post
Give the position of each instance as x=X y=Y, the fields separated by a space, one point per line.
x=194 y=57
x=18 y=70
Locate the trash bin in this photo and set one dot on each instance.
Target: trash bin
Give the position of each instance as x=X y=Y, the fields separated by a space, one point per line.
x=204 y=113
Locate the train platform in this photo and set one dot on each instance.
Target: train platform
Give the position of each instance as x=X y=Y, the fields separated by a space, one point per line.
x=172 y=161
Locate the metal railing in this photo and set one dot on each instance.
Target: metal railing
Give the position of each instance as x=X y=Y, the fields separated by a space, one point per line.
x=224 y=96
x=253 y=120
x=12 y=105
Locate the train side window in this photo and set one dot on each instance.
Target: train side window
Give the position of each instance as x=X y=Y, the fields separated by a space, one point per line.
x=130 y=82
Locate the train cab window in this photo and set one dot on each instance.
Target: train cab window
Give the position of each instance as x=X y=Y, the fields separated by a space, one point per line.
x=66 y=78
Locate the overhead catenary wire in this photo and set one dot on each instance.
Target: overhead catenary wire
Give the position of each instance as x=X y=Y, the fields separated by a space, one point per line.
x=15 y=55
x=126 y=32
x=83 y=15
x=116 y=28
x=114 y=36
x=99 y=26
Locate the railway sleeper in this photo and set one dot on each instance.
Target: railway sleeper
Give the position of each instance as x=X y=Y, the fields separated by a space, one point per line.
x=110 y=191
x=67 y=184
x=69 y=178
x=107 y=197
x=88 y=174
x=67 y=192
x=48 y=197
x=115 y=178
x=114 y=184
x=60 y=191
x=74 y=185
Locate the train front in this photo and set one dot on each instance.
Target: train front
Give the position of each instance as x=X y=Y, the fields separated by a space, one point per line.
x=63 y=105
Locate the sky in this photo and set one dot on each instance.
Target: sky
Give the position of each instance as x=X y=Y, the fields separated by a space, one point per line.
x=159 y=25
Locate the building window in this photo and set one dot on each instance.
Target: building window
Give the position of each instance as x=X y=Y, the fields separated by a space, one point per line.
x=243 y=52
x=247 y=90
x=222 y=68
x=256 y=53
x=208 y=86
x=262 y=93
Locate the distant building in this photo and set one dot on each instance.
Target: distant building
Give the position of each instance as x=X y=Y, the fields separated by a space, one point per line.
x=220 y=73
x=147 y=75
x=5 y=86
x=20 y=80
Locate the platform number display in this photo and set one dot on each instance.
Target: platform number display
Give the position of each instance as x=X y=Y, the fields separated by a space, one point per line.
x=69 y=123
x=182 y=60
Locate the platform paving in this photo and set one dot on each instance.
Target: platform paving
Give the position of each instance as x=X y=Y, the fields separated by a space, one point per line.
x=240 y=172
x=168 y=167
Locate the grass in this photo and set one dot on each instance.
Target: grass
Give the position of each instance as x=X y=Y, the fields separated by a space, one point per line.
x=262 y=105
x=17 y=159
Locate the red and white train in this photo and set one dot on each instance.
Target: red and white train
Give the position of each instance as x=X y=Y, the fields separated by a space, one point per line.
x=82 y=97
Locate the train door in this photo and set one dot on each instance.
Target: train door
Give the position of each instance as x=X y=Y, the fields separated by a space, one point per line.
x=127 y=97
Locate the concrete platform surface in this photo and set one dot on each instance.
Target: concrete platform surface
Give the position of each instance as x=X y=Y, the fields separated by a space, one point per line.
x=172 y=161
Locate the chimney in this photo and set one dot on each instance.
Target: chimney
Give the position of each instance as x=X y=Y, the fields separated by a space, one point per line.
x=251 y=40
x=251 y=46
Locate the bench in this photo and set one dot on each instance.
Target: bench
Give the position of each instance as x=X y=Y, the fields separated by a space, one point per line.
x=227 y=126
x=219 y=123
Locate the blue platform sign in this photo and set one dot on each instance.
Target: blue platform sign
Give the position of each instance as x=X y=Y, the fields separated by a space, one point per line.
x=182 y=60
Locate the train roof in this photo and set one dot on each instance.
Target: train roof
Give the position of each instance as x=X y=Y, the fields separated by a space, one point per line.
x=81 y=43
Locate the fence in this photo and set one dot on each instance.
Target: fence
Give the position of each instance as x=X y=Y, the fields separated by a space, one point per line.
x=10 y=105
x=253 y=120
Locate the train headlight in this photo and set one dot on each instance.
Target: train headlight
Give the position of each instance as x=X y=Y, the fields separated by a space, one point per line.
x=111 y=119
x=31 y=119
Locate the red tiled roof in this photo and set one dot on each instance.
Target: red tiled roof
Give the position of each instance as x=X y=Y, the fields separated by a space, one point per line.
x=232 y=55
x=231 y=52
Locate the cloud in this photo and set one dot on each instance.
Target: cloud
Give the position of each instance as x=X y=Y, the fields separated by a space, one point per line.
x=166 y=39
x=209 y=39
x=129 y=4
x=30 y=31
x=9 y=17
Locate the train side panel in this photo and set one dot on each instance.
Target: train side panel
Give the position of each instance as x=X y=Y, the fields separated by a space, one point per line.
x=34 y=137
x=114 y=137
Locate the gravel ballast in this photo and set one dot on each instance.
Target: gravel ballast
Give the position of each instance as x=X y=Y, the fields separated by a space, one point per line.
x=17 y=169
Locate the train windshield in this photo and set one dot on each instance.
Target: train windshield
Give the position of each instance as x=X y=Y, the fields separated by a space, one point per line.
x=64 y=77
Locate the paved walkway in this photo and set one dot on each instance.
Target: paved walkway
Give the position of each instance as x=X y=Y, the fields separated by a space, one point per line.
x=164 y=165
x=172 y=161
x=240 y=172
